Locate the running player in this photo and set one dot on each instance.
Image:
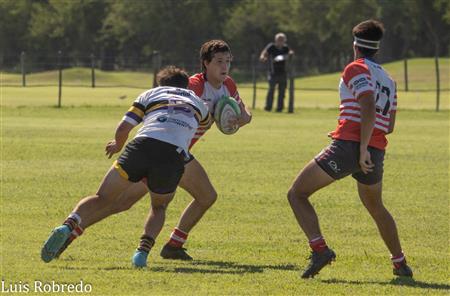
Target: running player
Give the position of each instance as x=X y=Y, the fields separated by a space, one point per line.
x=367 y=113
x=170 y=115
x=210 y=86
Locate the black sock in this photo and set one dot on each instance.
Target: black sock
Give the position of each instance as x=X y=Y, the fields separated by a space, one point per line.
x=146 y=243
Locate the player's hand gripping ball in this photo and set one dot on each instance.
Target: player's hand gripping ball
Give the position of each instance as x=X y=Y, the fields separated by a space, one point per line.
x=226 y=110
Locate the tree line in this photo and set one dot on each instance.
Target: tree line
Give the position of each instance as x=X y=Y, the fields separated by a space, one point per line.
x=127 y=33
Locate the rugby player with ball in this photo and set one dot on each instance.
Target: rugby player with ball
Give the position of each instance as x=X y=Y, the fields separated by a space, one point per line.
x=212 y=85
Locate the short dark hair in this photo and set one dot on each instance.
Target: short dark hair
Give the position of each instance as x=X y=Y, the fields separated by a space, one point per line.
x=369 y=30
x=172 y=76
x=211 y=47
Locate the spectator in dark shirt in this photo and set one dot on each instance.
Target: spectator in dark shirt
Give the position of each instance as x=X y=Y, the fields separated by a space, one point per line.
x=276 y=53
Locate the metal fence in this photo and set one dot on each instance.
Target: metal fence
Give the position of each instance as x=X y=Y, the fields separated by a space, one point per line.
x=87 y=71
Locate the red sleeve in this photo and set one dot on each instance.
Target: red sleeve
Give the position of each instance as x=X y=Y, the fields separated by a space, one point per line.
x=354 y=69
x=232 y=88
x=197 y=84
x=357 y=78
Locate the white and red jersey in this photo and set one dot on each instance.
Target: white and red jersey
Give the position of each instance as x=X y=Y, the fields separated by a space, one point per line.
x=210 y=95
x=361 y=77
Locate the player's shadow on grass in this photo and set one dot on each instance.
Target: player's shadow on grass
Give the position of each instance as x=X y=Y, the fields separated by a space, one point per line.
x=107 y=268
x=396 y=282
x=222 y=267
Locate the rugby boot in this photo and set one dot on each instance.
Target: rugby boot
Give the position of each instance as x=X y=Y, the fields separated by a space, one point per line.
x=140 y=258
x=318 y=261
x=55 y=242
x=169 y=252
x=402 y=269
x=64 y=246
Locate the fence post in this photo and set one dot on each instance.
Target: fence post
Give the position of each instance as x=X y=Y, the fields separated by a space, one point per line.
x=438 y=83
x=22 y=67
x=92 y=70
x=156 y=59
x=405 y=63
x=253 y=59
x=60 y=78
x=291 y=84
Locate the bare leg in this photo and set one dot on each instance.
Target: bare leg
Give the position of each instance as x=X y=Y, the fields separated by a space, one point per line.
x=196 y=182
x=157 y=215
x=92 y=207
x=88 y=209
x=124 y=202
x=310 y=179
x=370 y=196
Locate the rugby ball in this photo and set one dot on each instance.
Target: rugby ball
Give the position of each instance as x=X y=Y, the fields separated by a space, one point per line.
x=225 y=109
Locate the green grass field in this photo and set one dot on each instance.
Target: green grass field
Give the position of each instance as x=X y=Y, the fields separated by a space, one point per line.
x=249 y=242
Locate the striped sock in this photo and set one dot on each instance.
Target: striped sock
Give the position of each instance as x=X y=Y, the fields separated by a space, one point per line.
x=76 y=232
x=318 y=244
x=146 y=243
x=73 y=235
x=177 y=238
x=73 y=221
x=398 y=260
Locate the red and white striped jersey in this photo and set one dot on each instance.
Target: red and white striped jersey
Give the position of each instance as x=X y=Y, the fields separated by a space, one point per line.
x=360 y=77
x=205 y=91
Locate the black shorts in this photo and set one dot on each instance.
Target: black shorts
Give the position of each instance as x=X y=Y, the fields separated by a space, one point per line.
x=341 y=158
x=157 y=161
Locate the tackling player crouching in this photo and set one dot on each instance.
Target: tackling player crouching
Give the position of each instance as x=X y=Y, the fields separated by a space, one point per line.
x=170 y=115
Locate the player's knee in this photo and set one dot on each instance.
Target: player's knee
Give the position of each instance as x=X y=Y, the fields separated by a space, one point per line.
x=160 y=207
x=291 y=196
x=294 y=195
x=120 y=207
x=102 y=199
x=375 y=208
x=208 y=199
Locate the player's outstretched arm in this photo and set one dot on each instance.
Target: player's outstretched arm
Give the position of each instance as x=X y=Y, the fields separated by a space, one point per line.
x=122 y=132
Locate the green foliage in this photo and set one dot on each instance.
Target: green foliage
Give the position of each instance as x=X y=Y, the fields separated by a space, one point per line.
x=127 y=33
x=14 y=16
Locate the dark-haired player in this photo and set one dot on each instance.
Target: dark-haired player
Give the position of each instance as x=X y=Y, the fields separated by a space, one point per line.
x=367 y=114
x=170 y=115
x=210 y=85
